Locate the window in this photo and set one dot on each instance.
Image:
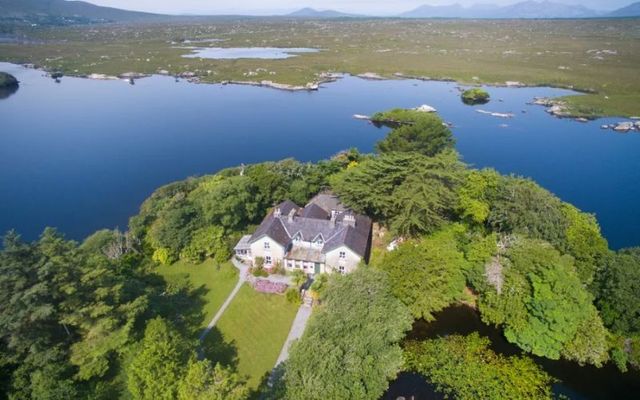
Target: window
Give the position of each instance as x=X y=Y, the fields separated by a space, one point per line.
x=289 y=264
x=267 y=260
x=343 y=255
x=267 y=245
x=341 y=269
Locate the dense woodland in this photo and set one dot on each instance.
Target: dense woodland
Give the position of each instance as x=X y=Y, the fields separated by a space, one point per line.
x=94 y=320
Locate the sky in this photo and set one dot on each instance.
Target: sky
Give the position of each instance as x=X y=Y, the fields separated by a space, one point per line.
x=257 y=7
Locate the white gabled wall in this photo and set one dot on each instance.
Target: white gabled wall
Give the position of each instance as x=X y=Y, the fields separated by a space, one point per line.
x=350 y=262
x=276 y=251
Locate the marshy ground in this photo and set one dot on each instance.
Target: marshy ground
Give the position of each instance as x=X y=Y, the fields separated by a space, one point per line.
x=599 y=55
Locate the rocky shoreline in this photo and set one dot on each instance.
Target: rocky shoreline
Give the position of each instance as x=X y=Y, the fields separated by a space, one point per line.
x=623 y=127
x=559 y=109
x=555 y=107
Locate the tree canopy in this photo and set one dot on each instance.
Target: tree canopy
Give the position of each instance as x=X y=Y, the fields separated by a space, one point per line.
x=426 y=134
x=618 y=292
x=465 y=368
x=543 y=305
x=414 y=194
x=428 y=275
x=475 y=96
x=350 y=347
x=165 y=367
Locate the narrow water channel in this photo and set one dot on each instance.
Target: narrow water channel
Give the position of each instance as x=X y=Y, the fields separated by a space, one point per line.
x=575 y=382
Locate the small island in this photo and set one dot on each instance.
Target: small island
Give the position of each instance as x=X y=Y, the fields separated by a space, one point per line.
x=475 y=96
x=8 y=81
x=8 y=85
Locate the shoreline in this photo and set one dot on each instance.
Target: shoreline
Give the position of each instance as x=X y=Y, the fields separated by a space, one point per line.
x=556 y=106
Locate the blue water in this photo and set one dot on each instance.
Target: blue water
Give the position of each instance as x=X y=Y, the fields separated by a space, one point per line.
x=234 y=53
x=82 y=155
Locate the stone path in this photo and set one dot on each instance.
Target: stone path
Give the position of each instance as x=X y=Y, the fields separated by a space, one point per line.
x=297 y=329
x=234 y=292
x=243 y=270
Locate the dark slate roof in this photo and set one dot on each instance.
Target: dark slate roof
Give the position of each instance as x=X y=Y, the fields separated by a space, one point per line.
x=314 y=220
x=328 y=202
x=309 y=227
x=356 y=238
x=286 y=206
x=314 y=211
x=273 y=228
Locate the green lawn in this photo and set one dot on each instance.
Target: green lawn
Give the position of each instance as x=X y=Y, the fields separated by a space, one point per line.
x=216 y=280
x=256 y=325
x=252 y=330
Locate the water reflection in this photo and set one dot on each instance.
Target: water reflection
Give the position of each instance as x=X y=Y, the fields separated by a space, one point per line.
x=575 y=382
x=6 y=92
x=82 y=155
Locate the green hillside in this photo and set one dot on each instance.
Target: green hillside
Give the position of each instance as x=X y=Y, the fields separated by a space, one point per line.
x=75 y=11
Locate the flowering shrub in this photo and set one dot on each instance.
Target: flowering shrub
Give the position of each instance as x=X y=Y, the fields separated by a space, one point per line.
x=257 y=272
x=265 y=286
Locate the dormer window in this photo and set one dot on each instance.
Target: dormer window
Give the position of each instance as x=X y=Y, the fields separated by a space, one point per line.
x=318 y=241
x=267 y=245
x=297 y=237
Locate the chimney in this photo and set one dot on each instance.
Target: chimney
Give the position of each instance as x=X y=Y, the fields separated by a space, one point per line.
x=349 y=220
x=334 y=214
x=277 y=213
x=292 y=213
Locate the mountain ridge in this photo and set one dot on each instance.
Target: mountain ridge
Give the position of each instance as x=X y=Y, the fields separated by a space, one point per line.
x=69 y=12
x=525 y=9
x=632 y=10
x=70 y=9
x=308 y=12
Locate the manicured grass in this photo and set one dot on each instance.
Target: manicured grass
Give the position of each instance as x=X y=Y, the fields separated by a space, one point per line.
x=217 y=280
x=257 y=325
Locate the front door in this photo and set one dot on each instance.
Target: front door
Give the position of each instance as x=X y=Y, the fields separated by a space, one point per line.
x=317 y=268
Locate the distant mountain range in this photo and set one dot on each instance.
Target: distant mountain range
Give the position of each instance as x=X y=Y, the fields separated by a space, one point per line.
x=66 y=12
x=37 y=9
x=632 y=10
x=525 y=9
x=313 y=13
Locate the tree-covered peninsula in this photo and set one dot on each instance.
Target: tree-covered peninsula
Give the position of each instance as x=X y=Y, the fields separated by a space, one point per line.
x=100 y=320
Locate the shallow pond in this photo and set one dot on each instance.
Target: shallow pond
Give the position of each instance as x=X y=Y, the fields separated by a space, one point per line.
x=575 y=382
x=82 y=155
x=234 y=53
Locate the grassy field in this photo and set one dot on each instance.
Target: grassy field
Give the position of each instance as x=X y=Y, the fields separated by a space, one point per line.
x=600 y=56
x=212 y=281
x=256 y=325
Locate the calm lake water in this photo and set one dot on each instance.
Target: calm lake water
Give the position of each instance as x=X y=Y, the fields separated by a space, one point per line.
x=575 y=382
x=234 y=53
x=82 y=155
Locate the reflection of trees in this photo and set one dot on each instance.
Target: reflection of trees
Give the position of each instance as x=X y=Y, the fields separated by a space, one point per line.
x=5 y=92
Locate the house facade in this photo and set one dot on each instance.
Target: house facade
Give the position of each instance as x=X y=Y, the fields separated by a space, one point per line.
x=322 y=237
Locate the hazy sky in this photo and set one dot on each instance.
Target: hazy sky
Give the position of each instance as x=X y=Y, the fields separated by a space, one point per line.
x=277 y=6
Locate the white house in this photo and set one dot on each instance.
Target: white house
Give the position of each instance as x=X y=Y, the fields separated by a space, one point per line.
x=322 y=237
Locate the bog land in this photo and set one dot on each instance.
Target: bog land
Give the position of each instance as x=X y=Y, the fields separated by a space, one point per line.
x=598 y=56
